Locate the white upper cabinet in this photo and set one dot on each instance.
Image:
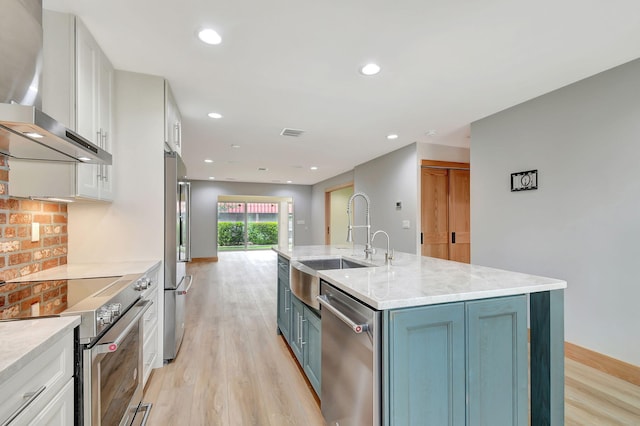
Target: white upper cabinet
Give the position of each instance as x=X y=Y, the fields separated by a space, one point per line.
x=172 y=122
x=94 y=110
x=78 y=91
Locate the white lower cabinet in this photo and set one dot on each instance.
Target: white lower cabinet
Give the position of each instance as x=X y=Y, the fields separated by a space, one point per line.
x=150 y=353
x=41 y=392
x=59 y=411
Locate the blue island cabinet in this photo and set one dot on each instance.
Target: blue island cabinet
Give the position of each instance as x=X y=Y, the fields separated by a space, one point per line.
x=301 y=327
x=284 y=298
x=456 y=364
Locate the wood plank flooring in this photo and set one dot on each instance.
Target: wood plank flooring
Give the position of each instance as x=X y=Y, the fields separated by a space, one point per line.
x=233 y=369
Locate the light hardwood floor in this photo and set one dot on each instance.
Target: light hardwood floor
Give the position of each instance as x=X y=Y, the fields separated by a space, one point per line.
x=233 y=369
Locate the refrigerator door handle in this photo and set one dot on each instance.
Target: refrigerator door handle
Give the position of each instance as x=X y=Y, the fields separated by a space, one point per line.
x=188 y=233
x=186 y=290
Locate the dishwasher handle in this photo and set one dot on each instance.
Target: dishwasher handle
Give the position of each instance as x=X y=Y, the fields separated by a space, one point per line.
x=357 y=328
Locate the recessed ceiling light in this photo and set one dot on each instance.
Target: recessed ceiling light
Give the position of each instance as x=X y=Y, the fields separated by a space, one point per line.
x=289 y=181
x=370 y=69
x=235 y=146
x=211 y=177
x=314 y=168
x=34 y=135
x=392 y=136
x=214 y=115
x=208 y=160
x=209 y=36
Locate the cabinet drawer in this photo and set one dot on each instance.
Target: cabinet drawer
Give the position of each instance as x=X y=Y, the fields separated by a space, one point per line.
x=58 y=412
x=149 y=351
x=152 y=312
x=51 y=370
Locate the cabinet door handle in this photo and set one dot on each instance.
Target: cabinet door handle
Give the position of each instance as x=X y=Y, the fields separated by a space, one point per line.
x=302 y=321
x=453 y=238
x=30 y=396
x=286 y=304
x=176 y=129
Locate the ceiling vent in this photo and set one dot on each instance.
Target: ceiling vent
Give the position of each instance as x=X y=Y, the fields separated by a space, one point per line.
x=291 y=132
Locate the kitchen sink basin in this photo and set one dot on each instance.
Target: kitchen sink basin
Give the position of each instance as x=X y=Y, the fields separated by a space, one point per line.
x=305 y=283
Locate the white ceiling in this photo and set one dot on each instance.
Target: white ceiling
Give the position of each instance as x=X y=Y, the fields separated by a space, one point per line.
x=294 y=63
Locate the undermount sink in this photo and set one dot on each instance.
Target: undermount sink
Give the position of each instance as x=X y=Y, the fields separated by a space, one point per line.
x=305 y=283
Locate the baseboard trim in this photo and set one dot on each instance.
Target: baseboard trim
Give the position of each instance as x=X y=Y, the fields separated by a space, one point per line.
x=614 y=367
x=205 y=259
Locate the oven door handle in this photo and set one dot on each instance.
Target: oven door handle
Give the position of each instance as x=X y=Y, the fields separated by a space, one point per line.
x=108 y=343
x=185 y=291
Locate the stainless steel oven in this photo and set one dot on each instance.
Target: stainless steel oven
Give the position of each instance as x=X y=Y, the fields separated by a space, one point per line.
x=108 y=360
x=113 y=371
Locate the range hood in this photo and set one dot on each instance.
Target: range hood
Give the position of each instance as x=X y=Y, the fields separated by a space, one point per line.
x=25 y=131
x=29 y=134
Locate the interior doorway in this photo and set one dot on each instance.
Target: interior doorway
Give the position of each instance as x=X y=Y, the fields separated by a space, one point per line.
x=336 y=221
x=445 y=210
x=253 y=222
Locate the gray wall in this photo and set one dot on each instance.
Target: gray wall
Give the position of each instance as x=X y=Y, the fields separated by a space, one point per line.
x=204 y=200
x=387 y=179
x=581 y=225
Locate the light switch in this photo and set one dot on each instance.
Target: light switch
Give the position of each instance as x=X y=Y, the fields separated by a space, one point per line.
x=35 y=232
x=406 y=224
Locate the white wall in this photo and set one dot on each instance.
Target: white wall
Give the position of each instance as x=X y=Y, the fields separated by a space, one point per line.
x=132 y=226
x=429 y=151
x=582 y=223
x=339 y=220
x=317 y=204
x=204 y=204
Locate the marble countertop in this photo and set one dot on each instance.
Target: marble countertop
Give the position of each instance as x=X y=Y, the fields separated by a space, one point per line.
x=413 y=280
x=24 y=340
x=90 y=270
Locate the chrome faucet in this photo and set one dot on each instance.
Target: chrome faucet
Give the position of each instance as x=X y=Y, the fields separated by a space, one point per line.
x=388 y=256
x=368 y=251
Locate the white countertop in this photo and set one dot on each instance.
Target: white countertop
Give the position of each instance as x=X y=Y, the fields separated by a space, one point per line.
x=90 y=270
x=24 y=340
x=413 y=280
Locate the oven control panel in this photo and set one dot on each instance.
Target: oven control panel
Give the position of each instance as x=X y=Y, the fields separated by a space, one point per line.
x=142 y=284
x=109 y=313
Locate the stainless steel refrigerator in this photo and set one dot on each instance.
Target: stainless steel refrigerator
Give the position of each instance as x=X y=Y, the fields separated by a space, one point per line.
x=177 y=251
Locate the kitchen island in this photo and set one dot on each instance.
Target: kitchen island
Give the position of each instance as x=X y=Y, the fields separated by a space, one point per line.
x=467 y=321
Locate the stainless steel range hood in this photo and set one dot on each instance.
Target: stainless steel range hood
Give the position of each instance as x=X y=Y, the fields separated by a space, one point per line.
x=25 y=131
x=29 y=134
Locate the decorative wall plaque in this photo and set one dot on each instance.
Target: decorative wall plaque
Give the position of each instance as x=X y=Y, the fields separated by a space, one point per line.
x=524 y=181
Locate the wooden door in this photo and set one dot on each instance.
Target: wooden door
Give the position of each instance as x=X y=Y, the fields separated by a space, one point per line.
x=459 y=216
x=445 y=210
x=435 y=213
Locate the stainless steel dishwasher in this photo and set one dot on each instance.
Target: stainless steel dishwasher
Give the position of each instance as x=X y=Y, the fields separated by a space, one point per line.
x=351 y=360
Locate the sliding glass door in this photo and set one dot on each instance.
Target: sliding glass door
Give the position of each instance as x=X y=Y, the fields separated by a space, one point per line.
x=247 y=225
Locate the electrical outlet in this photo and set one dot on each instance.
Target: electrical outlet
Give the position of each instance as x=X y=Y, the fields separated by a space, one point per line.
x=35 y=232
x=406 y=224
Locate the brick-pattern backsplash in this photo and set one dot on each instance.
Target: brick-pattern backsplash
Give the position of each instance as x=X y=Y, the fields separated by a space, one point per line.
x=20 y=256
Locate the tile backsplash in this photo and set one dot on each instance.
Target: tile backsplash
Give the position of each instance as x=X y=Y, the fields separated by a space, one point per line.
x=19 y=255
